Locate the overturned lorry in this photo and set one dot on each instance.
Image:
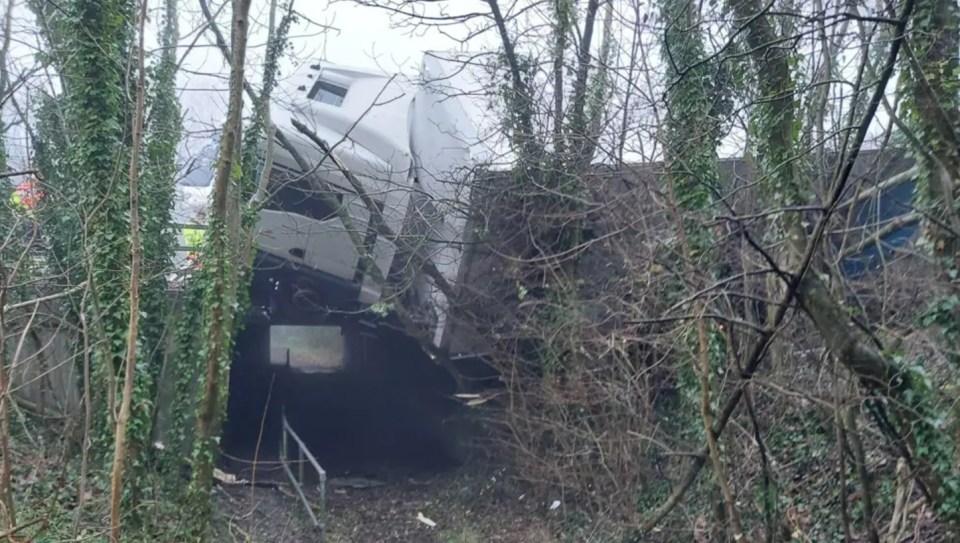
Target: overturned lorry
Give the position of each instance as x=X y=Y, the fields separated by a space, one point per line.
x=355 y=141
x=365 y=210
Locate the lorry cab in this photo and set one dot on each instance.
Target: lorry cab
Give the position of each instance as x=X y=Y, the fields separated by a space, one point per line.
x=407 y=143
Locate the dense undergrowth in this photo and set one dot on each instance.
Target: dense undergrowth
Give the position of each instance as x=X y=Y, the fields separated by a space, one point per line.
x=686 y=345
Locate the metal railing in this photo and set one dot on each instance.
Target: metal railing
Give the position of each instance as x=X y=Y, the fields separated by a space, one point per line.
x=303 y=453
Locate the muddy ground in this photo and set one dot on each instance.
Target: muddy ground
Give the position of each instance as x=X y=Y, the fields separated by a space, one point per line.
x=389 y=415
x=467 y=507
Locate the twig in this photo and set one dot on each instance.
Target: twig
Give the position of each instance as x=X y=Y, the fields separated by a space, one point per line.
x=87 y=419
x=49 y=297
x=256 y=450
x=4 y=175
x=793 y=284
x=15 y=529
x=877 y=236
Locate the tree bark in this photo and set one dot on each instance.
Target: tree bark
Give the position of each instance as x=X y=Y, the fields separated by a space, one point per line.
x=6 y=490
x=222 y=264
x=933 y=95
x=130 y=365
x=762 y=344
x=841 y=336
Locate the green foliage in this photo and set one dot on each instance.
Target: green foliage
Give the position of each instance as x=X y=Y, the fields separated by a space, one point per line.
x=186 y=366
x=220 y=312
x=691 y=132
x=941 y=316
x=6 y=215
x=515 y=101
x=96 y=109
x=157 y=179
x=8 y=249
x=255 y=131
x=933 y=446
x=692 y=126
x=930 y=85
x=59 y=211
x=774 y=127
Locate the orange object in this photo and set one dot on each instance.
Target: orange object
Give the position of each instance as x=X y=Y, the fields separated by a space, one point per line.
x=28 y=193
x=194 y=259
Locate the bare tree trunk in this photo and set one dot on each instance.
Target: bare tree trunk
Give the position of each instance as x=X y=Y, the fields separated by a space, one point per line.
x=120 y=436
x=87 y=420
x=705 y=414
x=6 y=491
x=6 y=488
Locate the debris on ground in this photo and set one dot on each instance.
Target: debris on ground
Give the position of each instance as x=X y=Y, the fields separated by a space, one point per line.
x=353 y=482
x=426 y=521
x=227 y=478
x=454 y=507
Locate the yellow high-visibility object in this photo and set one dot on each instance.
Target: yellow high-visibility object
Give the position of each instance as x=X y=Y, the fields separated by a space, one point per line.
x=193 y=237
x=20 y=206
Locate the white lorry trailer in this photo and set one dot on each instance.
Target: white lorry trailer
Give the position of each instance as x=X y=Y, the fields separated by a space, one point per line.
x=408 y=145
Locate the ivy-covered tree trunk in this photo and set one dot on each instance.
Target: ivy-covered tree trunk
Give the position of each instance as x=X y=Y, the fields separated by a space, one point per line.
x=691 y=137
x=932 y=101
x=220 y=259
x=773 y=122
x=246 y=194
x=96 y=108
x=156 y=201
x=61 y=211
x=551 y=162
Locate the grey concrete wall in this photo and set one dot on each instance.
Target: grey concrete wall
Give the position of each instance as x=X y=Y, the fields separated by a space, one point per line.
x=43 y=370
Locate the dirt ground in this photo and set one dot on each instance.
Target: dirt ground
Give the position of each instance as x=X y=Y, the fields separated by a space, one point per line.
x=465 y=507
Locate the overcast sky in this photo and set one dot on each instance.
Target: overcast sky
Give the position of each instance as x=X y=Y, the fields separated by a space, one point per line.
x=340 y=32
x=336 y=31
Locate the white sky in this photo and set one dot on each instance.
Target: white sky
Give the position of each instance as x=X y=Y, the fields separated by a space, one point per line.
x=355 y=35
x=338 y=31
